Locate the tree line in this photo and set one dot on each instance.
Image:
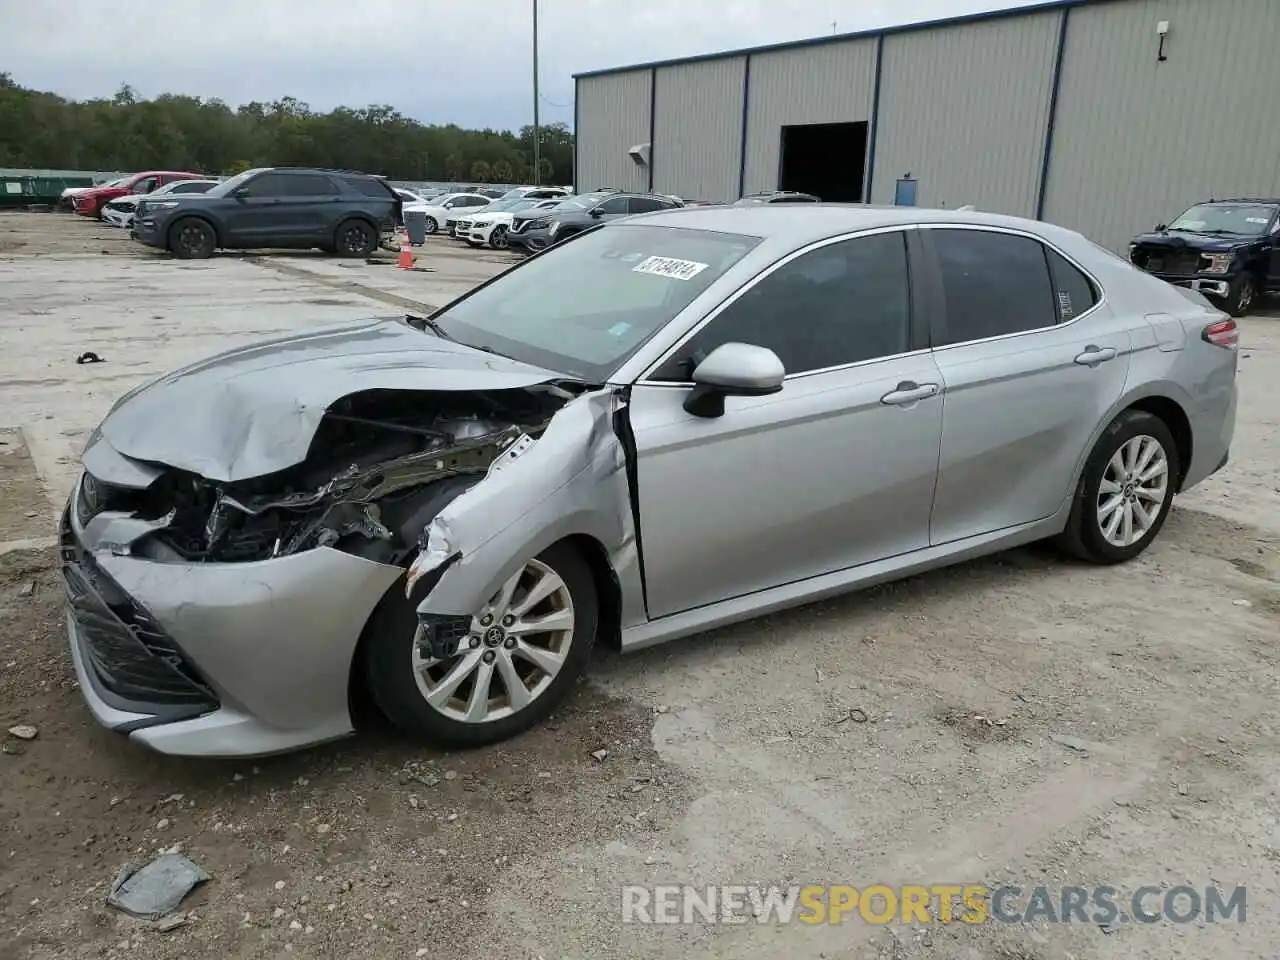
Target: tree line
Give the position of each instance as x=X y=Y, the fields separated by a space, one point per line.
x=177 y=132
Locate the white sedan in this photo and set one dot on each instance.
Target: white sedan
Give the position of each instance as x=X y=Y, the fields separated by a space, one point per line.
x=119 y=212
x=443 y=208
x=493 y=224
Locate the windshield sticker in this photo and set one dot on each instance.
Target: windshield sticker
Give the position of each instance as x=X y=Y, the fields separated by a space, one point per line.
x=618 y=329
x=670 y=267
x=1261 y=220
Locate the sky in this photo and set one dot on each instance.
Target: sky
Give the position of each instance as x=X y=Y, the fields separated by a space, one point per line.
x=438 y=61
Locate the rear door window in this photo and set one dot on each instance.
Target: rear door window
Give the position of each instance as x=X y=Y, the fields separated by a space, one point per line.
x=307 y=185
x=994 y=284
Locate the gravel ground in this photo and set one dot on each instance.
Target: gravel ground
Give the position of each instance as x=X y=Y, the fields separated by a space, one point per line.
x=1017 y=720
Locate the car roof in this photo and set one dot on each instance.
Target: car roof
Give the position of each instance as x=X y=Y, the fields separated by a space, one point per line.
x=799 y=224
x=1205 y=203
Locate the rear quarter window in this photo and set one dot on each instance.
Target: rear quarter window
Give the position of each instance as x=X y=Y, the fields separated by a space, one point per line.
x=370 y=187
x=1073 y=292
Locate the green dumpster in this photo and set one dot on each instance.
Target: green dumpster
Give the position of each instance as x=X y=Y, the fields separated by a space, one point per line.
x=17 y=191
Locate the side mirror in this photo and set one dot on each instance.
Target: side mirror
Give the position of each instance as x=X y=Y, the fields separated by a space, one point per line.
x=597 y=213
x=1160 y=227
x=733 y=370
x=240 y=192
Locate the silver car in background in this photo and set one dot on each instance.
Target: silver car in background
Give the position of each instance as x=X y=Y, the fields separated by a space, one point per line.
x=663 y=425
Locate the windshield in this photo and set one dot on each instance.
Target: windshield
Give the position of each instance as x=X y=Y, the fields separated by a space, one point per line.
x=226 y=186
x=502 y=206
x=1244 y=219
x=586 y=305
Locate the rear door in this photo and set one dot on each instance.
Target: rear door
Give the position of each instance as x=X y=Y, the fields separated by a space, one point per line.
x=1032 y=359
x=649 y=205
x=1273 y=274
x=311 y=207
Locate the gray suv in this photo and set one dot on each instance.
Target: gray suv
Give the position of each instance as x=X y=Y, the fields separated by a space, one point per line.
x=535 y=230
x=339 y=212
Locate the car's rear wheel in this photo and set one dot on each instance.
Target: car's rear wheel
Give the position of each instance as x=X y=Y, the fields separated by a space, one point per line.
x=1242 y=291
x=1125 y=492
x=498 y=239
x=523 y=652
x=430 y=226
x=192 y=239
x=355 y=238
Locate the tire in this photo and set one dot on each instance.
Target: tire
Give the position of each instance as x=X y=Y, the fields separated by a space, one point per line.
x=355 y=238
x=397 y=672
x=498 y=238
x=192 y=239
x=1243 y=293
x=430 y=226
x=1130 y=434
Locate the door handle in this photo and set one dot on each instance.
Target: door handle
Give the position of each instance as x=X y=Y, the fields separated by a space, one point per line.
x=908 y=391
x=1093 y=356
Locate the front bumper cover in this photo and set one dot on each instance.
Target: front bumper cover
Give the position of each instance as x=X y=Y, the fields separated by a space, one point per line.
x=214 y=659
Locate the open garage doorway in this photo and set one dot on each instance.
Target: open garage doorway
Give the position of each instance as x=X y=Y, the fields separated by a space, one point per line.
x=825 y=159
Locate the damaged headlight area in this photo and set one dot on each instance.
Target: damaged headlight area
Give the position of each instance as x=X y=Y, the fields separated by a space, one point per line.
x=378 y=469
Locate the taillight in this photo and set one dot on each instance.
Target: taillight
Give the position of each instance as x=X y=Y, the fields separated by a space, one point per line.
x=1224 y=333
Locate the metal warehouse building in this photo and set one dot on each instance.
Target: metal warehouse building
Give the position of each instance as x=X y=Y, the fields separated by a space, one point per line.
x=1106 y=116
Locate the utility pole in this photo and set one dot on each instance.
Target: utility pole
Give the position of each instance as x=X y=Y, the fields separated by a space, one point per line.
x=537 y=133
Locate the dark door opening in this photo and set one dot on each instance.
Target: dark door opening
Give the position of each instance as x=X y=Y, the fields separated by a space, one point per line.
x=825 y=159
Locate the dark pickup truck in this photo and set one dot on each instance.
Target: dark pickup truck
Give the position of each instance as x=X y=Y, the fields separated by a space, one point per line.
x=1228 y=250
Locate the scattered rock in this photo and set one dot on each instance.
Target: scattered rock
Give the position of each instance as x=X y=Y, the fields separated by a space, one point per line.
x=295 y=925
x=277 y=913
x=29 y=587
x=173 y=798
x=662 y=708
x=323 y=828
x=599 y=755
x=13 y=749
x=279 y=884
x=1241 y=603
x=413 y=802
x=24 y=731
x=1071 y=743
x=163 y=825
x=171 y=922
x=451 y=775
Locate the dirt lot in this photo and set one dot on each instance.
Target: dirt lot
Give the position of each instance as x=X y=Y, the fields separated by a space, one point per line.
x=1017 y=720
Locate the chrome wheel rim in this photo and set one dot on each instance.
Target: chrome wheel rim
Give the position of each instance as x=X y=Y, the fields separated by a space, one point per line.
x=430 y=226
x=1246 y=294
x=517 y=645
x=1135 y=485
x=354 y=240
x=499 y=238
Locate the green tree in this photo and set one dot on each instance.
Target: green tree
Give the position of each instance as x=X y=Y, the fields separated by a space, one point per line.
x=175 y=131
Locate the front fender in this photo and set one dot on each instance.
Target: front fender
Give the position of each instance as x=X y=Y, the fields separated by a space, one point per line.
x=571 y=482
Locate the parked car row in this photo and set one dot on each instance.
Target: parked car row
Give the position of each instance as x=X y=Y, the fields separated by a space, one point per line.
x=120 y=211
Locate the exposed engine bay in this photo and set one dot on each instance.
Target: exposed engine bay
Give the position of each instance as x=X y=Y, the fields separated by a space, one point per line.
x=371 y=480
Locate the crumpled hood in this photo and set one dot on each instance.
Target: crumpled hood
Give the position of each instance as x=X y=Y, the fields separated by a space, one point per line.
x=253 y=410
x=1185 y=239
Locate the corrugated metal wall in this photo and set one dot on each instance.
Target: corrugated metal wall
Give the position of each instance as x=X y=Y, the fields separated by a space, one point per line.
x=612 y=117
x=1136 y=141
x=964 y=110
x=827 y=84
x=697 y=140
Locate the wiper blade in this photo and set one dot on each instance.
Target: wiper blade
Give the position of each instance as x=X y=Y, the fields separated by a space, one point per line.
x=426 y=323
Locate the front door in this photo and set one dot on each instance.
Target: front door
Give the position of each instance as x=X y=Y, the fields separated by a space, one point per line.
x=836 y=470
x=1031 y=362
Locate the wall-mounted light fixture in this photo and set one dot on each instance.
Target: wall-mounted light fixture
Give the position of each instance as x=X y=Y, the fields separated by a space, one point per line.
x=1162 y=31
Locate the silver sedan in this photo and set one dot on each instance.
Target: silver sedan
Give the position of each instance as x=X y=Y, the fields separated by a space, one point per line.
x=663 y=425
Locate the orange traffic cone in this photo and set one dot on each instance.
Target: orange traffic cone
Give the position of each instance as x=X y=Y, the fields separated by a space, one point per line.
x=406 y=254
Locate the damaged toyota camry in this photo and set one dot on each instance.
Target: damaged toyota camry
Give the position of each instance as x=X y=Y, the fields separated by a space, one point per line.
x=663 y=425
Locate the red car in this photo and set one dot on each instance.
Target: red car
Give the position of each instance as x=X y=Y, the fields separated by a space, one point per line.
x=91 y=202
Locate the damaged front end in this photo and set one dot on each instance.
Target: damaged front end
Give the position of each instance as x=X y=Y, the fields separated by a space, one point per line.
x=369 y=485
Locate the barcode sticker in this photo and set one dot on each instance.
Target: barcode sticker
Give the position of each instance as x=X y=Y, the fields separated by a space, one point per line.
x=670 y=267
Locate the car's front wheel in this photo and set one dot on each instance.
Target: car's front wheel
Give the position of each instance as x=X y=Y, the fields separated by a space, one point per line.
x=192 y=239
x=498 y=238
x=355 y=238
x=1240 y=296
x=1125 y=492
x=430 y=226
x=523 y=651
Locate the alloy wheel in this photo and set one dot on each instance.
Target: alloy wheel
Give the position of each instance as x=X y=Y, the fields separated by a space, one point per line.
x=498 y=239
x=355 y=240
x=1134 y=487
x=516 y=646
